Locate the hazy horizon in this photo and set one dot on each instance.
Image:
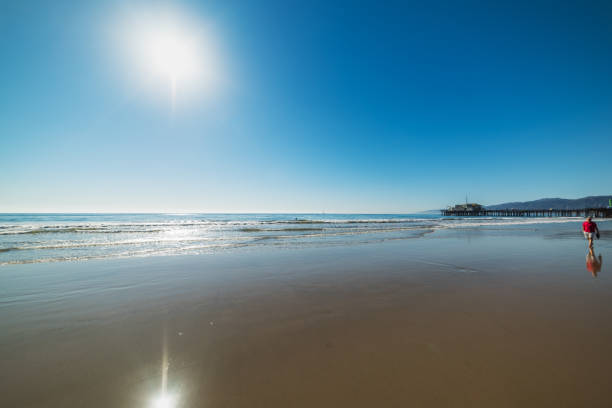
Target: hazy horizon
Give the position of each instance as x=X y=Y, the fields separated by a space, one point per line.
x=285 y=212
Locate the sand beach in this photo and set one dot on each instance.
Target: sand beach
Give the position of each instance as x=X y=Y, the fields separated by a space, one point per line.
x=500 y=317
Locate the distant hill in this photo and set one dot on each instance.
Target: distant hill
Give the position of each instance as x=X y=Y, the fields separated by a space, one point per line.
x=436 y=212
x=556 y=203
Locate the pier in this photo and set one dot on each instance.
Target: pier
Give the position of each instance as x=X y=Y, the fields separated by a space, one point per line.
x=480 y=212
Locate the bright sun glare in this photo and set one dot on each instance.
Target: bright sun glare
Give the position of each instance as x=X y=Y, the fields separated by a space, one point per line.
x=173 y=54
x=169 y=51
x=164 y=401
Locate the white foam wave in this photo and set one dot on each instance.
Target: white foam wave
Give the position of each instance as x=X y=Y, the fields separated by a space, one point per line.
x=62 y=240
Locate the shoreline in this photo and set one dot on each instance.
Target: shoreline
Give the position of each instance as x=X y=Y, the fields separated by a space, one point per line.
x=31 y=244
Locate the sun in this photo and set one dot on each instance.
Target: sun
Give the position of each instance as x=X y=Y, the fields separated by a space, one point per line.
x=169 y=51
x=173 y=54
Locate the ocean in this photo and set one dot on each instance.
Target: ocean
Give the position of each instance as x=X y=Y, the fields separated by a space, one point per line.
x=32 y=238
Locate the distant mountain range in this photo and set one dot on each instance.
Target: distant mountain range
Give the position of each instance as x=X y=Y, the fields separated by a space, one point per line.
x=556 y=203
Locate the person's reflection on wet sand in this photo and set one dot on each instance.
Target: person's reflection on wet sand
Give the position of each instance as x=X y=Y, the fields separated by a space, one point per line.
x=593 y=263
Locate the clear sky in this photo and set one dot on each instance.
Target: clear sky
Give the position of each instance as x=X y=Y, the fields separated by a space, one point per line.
x=307 y=106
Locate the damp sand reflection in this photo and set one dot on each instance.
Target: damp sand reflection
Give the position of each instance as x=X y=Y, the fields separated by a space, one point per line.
x=593 y=262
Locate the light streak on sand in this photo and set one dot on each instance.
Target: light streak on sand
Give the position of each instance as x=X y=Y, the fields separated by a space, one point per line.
x=164 y=399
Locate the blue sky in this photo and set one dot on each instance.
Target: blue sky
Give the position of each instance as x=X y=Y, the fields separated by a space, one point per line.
x=318 y=106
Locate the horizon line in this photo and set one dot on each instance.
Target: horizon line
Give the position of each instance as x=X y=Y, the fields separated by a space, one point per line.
x=211 y=212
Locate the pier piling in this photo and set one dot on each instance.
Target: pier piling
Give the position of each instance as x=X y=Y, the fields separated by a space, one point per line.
x=511 y=212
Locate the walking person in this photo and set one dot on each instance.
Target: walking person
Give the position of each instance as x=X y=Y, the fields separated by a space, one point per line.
x=589 y=228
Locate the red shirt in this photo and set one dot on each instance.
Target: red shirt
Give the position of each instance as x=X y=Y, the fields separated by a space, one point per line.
x=589 y=226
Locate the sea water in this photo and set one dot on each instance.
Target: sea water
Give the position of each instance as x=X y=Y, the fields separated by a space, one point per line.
x=30 y=238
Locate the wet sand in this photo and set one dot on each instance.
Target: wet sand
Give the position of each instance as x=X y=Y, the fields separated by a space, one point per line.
x=501 y=318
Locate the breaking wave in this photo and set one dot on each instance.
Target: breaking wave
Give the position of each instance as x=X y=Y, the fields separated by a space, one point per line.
x=32 y=238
